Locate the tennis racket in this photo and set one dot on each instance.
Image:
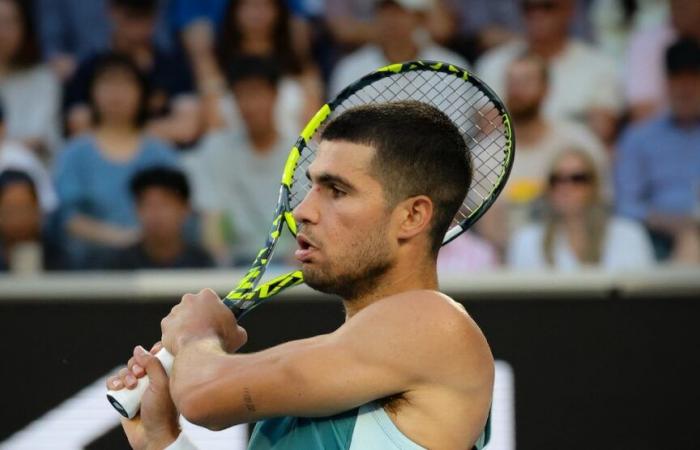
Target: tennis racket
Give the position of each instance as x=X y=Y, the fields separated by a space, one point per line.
x=481 y=118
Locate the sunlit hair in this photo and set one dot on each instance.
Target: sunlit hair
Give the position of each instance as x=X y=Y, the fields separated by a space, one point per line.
x=419 y=151
x=595 y=217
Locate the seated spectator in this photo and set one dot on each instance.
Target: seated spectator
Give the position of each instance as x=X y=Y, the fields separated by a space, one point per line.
x=171 y=114
x=645 y=80
x=162 y=197
x=70 y=30
x=236 y=171
x=14 y=155
x=23 y=247
x=583 y=83
x=538 y=140
x=29 y=91
x=398 y=38
x=94 y=170
x=260 y=29
x=658 y=168
x=576 y=230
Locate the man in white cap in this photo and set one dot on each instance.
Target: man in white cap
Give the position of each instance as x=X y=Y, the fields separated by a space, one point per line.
x=401 y=37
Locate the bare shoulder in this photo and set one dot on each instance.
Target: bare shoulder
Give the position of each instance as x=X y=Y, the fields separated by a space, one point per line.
x=443 y=339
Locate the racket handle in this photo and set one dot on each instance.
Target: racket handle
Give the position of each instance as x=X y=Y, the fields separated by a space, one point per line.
x=128 y=401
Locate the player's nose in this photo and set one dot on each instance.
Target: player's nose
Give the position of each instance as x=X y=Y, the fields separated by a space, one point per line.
x=307 y=211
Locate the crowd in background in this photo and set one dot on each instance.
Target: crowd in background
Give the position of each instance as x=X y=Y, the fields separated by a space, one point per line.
x=151 y=134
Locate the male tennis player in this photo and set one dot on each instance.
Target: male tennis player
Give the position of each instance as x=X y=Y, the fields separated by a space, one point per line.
x=408 y=369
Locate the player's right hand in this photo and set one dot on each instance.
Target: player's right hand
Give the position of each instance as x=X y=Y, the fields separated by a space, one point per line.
x=156 y=426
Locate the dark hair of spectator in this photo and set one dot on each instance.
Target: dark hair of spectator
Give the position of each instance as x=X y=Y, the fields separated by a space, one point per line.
x=231 y=38
x=172 y=180
x=419 y=151
x=251 y=67
x=28 y=53
x=10 y=176
x=683 y=56
x=114 y=61
x=137 y=7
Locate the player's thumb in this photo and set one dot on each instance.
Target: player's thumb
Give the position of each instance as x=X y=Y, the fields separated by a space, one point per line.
x=154 y=369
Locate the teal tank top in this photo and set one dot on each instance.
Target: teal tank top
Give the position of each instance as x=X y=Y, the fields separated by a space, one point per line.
x=365 y=428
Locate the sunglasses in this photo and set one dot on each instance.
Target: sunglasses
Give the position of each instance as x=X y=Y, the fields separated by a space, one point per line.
x=578 y=179
x=540 y=6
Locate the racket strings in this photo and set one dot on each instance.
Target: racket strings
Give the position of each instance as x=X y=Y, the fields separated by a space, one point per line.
x=477 y=117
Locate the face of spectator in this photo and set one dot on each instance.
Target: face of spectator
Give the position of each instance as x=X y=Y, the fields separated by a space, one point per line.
x=256 y=17
x=256 y=100
x=684 y=95
x=117 y=96
x=162 y=214
x=20 y=215
x=571 y=186
x=547 y=19
x=685 y=16
x=11 y=30
x=133 y=29
x=525 y=89
x=396 y=24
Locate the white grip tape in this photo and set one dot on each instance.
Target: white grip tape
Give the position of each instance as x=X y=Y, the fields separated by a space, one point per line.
x=128 y=401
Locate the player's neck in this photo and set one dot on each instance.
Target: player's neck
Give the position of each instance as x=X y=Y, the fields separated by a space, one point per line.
x=400 y=278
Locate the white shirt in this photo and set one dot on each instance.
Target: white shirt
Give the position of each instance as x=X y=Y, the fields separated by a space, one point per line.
x=371 y=57
x=626 y=247
x=14 y=155
x=31 y=101
x=581 y=78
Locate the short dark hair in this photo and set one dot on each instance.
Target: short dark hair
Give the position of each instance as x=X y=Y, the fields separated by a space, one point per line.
x=110 y=61
x=137 y=7
x=419 y=151
x=683 y=56
x=253 y=67
x=12 y=176
x=167 y=178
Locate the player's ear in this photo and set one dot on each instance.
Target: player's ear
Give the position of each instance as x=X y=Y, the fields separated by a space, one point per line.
x=415 y=216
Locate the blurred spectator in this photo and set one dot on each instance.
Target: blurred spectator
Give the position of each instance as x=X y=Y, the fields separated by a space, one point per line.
x=658 y=170
x=645 y=82
x=93 y=171
x=23 y=247
x=29 y=91
x=399 y=38
x=236 y=171
x=576 y=229
x=14 y=155
x=259 y=29
x=538 y=141
x=70 y=30
x=467 y=253
x=162 y=197
x=583 y=84
x=615 y=21
x=170 y=111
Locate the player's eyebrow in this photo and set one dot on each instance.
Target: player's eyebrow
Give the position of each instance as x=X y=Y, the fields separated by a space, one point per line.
x=328 y=179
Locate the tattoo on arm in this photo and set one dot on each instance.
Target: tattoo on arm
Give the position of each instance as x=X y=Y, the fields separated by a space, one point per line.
x=248 y=400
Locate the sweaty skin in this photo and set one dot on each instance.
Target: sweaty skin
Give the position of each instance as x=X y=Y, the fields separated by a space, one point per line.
x=402 y=341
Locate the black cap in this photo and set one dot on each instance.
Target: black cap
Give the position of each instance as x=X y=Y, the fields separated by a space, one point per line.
x=683 y=56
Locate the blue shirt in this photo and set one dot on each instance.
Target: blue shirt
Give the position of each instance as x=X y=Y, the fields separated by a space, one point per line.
x=90 y=184
x=658 y=169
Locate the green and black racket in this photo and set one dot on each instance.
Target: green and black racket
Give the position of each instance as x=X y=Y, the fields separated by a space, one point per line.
x=472 y=106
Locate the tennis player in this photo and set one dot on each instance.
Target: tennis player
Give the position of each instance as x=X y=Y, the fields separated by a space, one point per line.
x=409 y=369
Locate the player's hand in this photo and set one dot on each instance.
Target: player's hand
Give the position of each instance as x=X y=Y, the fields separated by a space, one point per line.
x=156 y=426
x=201 y=316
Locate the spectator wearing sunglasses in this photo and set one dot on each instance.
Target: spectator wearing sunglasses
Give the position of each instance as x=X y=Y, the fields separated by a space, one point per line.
x=576 y=229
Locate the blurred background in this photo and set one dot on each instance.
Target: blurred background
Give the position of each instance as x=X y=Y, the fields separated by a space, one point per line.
x=141 y=144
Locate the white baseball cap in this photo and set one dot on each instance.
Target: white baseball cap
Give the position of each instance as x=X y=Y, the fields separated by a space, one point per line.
x=412 y=5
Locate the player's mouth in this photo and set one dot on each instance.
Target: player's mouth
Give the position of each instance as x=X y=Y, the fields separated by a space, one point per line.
x=306 y=248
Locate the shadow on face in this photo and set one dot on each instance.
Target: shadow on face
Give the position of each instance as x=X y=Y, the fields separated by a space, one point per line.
x=162 y=214
x=20 y=215
x=572 y=185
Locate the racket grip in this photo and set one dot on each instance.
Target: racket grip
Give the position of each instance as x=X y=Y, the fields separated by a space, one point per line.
x=128 y=401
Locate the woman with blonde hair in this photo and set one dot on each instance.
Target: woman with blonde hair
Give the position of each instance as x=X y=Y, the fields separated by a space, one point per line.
x=577 y=229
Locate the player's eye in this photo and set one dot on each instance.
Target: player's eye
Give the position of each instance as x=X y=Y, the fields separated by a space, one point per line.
x=336 y=193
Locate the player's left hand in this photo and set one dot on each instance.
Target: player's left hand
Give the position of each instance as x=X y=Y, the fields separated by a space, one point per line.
x=201 y=316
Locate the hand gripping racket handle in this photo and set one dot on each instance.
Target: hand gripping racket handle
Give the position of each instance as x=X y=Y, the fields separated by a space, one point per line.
x=128 y=401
